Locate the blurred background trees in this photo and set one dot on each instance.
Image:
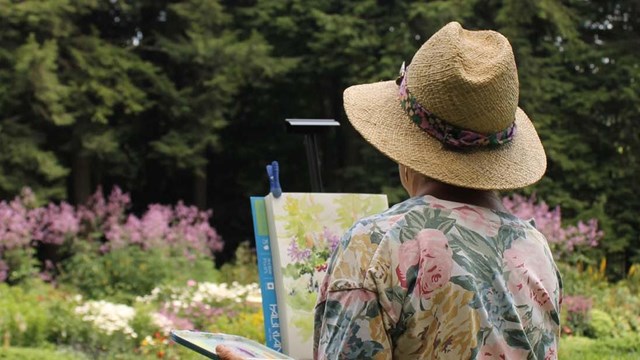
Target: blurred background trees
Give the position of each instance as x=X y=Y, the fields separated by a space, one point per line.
x=187 y=99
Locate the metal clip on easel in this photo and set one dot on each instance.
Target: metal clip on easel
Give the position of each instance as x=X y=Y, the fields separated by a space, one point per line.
x=274 y=179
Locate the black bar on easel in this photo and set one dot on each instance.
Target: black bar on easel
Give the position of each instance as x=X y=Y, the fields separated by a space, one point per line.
x=311 y=128
x=313 y=160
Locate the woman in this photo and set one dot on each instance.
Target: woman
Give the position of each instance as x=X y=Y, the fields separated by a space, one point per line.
x=447 y=274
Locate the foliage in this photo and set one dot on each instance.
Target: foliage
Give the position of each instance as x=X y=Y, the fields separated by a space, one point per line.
x=633 y=278
x=577 y=280
x=153 y=95
x=124 y=273
x=18 y=353
x=594 y=307
x=17 y=265
x=601 y=324
x=36 y=314
x=242 y=268
x=23 y=318
x=91 y=78
x=564 y=50
x=623 y=348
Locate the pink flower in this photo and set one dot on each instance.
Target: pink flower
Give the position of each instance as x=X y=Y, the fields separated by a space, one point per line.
x=191 y=283
x=549 y=222
x=577 y=304
x=54 y=224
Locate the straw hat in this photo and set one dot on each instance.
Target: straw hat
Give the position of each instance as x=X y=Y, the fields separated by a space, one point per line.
x=453 y=114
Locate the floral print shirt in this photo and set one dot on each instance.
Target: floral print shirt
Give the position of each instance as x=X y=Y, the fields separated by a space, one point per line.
x=434 y=279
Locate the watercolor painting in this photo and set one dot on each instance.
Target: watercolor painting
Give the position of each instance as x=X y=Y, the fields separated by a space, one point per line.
x=304 y=230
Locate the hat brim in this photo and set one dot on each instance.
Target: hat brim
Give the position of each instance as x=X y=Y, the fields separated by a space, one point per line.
x=376 y=113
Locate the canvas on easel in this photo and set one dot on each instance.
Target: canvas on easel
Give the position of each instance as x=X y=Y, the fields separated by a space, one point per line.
x=304 y=229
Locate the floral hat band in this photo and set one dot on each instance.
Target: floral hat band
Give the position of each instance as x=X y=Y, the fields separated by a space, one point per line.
x=445 y=132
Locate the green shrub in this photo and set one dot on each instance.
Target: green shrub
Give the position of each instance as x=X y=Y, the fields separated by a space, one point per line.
x=23 y=318
x=633 y=278
x=16 y=353
x=243 y=269
x=248 y=323
x=624 y=308
x=60 y=325
x=622 y=348
x=623 y=305
x=577 y=281
x=125 y=273
x=601 y=324
x=21 y=263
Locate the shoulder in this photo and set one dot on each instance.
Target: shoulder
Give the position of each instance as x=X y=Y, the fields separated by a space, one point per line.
x=362 y=241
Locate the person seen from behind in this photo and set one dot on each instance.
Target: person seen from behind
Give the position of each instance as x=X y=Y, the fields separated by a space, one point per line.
x=448 y=273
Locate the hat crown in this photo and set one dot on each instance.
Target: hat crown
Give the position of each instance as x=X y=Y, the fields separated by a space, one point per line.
x=467 y=78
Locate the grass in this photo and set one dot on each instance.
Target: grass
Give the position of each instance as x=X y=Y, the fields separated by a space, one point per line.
x=21 y=353
x=623 y=348
x=52 y=353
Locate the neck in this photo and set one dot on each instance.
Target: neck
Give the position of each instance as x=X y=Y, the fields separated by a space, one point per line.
x=484 y=198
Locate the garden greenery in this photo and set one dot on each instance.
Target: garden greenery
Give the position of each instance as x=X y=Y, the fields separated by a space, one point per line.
x=97 y=281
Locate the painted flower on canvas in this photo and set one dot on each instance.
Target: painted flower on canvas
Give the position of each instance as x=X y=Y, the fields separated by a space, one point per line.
x=312 y=227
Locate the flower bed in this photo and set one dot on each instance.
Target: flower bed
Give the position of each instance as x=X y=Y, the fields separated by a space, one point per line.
x=38 y=315
x=95 y=281
x=43 y=239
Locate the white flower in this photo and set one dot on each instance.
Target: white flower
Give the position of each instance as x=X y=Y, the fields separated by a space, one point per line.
x=108 y=317
x=205 y=292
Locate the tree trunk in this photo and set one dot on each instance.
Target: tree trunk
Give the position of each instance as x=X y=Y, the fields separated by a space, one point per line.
x=81 y=179
x=200 y=191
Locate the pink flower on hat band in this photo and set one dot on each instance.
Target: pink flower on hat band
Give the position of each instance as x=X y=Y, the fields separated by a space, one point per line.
x=443 y=131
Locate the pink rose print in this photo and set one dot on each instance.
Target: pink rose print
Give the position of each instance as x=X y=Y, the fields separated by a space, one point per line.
x=531 y=276
x=429 y=251
x=551 y=354
x=500 y=350
x=481 y=221
x=435 y=261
